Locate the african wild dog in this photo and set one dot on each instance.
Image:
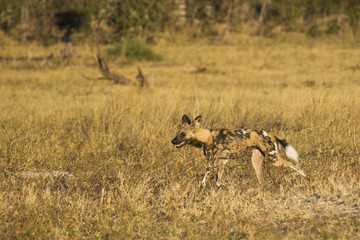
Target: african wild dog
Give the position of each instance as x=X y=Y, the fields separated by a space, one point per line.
x=220 y=145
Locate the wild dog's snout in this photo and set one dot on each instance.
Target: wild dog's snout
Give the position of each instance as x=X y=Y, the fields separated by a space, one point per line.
x=177 y=143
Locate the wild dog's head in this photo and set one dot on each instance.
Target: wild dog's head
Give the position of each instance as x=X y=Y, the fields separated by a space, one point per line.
x=187 y=133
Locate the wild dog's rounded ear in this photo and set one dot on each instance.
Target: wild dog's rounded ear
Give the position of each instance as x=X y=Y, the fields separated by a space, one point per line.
x=197 y=121
x=186 y=120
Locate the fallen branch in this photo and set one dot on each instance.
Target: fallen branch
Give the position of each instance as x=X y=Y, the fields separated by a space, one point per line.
x=118 y=78
x=105 y=71
x=36 y=58
x=52 y=174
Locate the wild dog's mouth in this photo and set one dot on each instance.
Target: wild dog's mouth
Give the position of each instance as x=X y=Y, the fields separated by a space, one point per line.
x=180 y=144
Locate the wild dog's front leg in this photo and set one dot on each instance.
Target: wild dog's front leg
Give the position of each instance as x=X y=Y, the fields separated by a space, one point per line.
x=222 y=163
x=223 y=157
x=209 y=171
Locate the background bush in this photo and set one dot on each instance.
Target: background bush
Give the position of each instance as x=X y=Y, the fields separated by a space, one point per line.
x=133 y=49
x=148 y=20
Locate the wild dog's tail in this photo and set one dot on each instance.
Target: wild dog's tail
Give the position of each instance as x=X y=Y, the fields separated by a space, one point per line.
x=285 y=148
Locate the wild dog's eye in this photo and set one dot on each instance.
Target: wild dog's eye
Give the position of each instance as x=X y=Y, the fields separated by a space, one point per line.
x=182 y=134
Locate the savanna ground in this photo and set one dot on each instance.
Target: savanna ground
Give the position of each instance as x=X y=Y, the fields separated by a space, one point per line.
x=130 y=182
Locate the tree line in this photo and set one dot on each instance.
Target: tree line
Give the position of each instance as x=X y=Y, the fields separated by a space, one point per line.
x=50 y=21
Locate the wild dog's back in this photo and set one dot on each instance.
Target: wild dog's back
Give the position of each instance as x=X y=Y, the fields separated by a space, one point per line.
x=232 y=143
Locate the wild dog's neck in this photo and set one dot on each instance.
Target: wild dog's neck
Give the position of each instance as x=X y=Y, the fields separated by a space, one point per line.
x=204 y=137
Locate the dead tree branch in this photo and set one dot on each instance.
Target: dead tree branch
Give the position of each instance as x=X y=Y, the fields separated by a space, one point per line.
x=105 y=71
x=141 y=80
x=46 y=174
x=23 y=58
x=262 y=15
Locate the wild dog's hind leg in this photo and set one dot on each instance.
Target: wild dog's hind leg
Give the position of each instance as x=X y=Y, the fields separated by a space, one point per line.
x=256 y=160
x=278 y=161
x=272 y=153
x=291 y=165
x=222 y=163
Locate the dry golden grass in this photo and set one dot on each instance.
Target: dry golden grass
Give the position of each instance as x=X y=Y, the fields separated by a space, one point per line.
x=130 y=182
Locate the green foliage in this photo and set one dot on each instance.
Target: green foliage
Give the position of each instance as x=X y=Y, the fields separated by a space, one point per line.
x=72 y=19
x=333 y=29
x=133 y=49
x=354 y=15
x=9 y=14
x=139 y=18
x=125 y=19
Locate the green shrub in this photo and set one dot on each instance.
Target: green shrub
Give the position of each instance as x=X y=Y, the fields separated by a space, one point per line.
x=333 y=29
x=114 y=51
x=134 y=49
x=313 y=31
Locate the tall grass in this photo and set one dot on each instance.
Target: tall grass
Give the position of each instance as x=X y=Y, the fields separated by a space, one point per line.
x=129 y=180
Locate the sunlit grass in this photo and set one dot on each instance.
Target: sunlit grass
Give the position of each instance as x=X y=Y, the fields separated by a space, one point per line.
x=130 y=182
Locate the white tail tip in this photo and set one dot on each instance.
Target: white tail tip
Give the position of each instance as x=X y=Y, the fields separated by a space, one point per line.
x=292 y=154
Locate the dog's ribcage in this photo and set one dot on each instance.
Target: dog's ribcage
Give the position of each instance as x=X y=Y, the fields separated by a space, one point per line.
x=237 y=143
